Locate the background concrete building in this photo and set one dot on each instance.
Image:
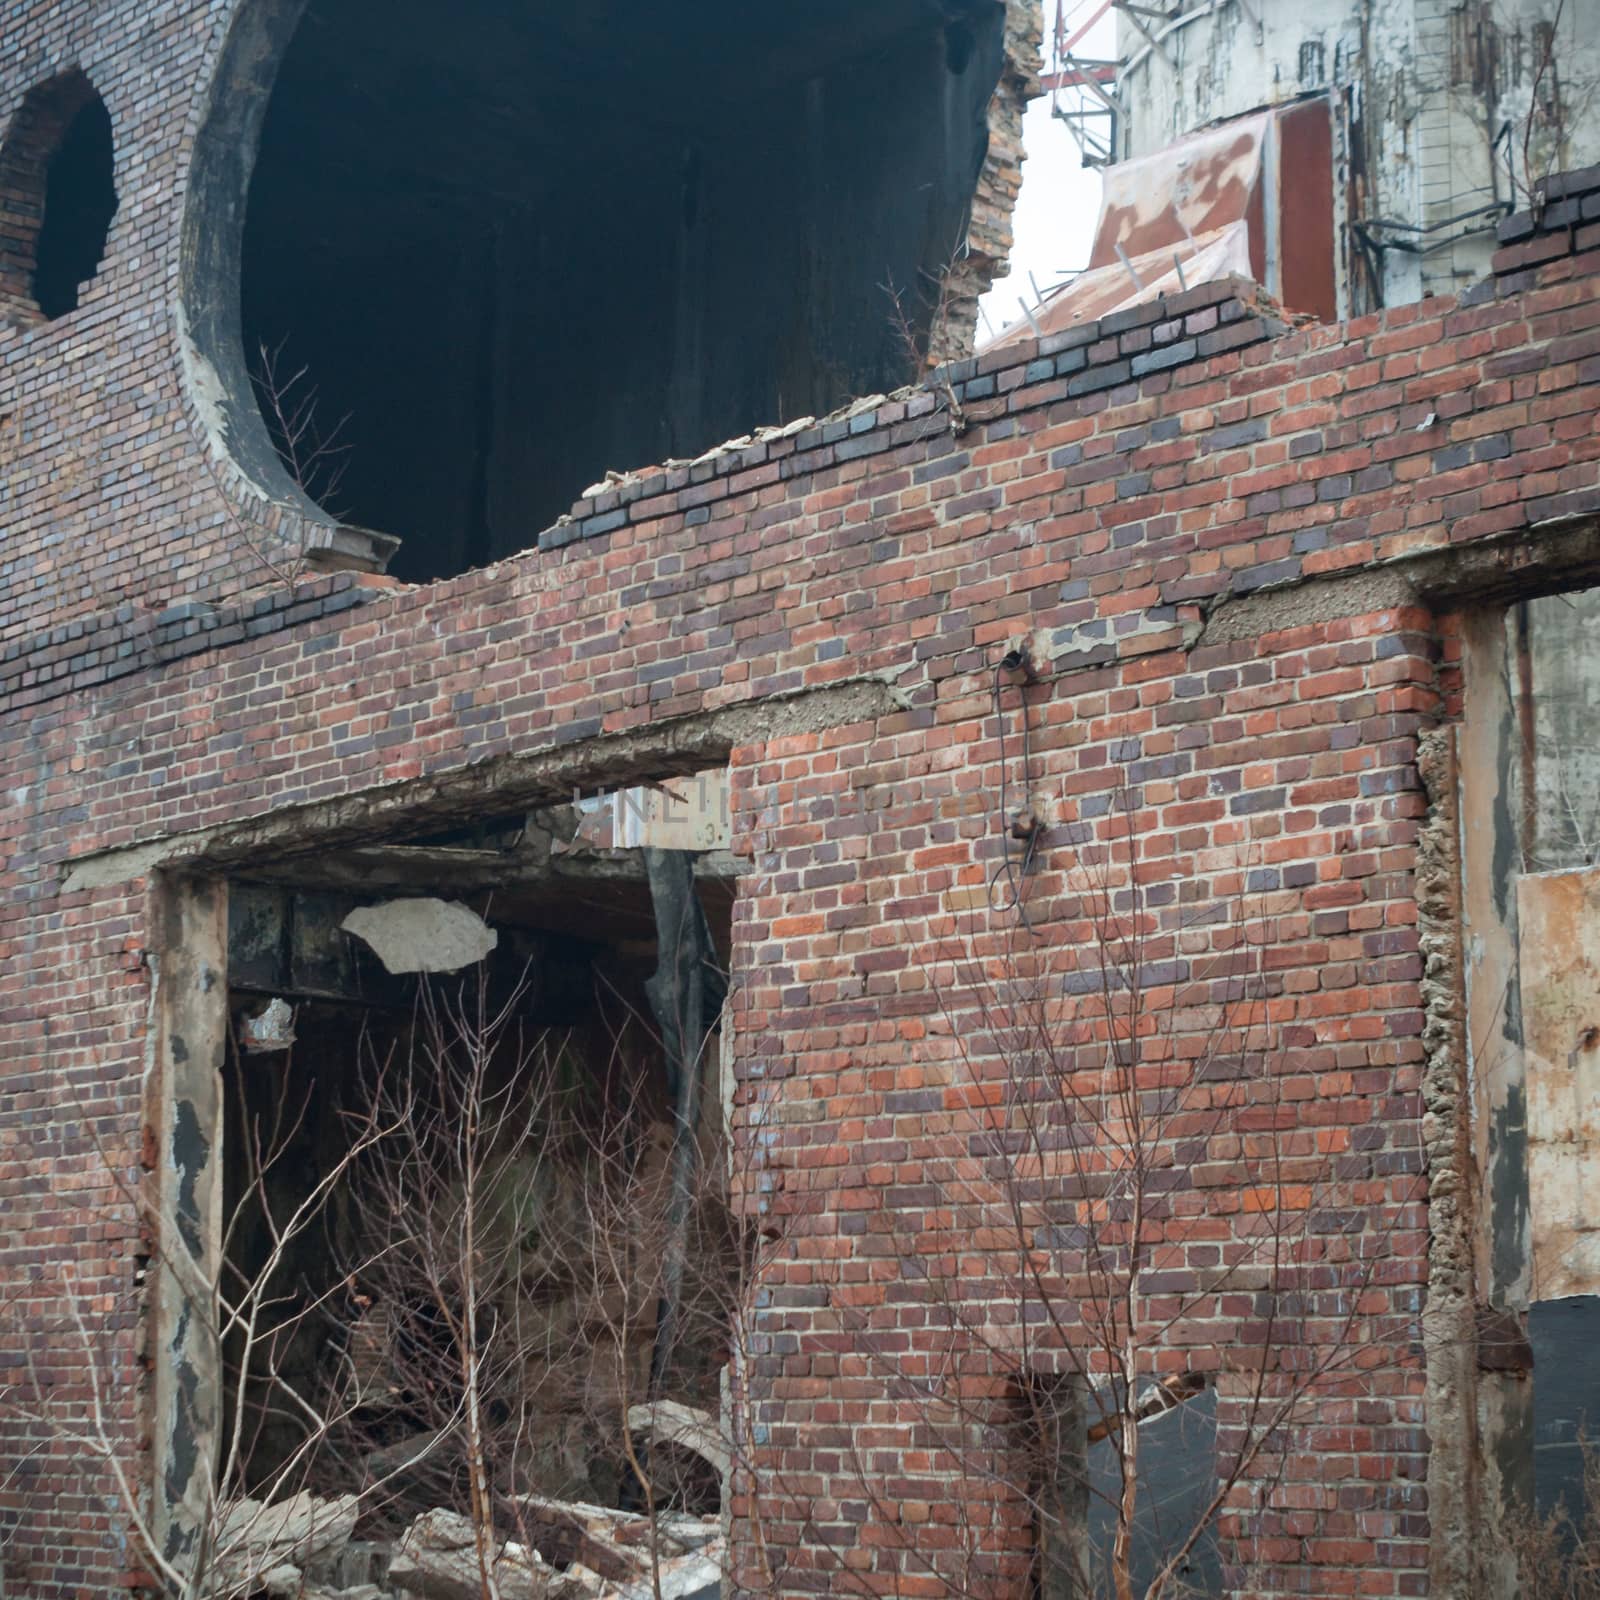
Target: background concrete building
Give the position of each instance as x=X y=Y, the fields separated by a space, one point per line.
x=1362 y=153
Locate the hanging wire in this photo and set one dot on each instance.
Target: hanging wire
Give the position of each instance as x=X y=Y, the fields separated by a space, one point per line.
x=1009 y=880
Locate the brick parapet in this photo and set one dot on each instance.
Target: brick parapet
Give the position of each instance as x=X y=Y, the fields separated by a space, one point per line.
x=1114 y=352
x=1563 y=221
x=1352 y=445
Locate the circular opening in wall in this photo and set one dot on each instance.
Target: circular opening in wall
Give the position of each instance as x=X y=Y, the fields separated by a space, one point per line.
x=481 y=264
x=57 y=196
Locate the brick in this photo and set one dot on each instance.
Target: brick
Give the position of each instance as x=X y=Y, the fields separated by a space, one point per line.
x=1542 y=248
x=1095 y=379
x=1578 y=181
x=1165 y=358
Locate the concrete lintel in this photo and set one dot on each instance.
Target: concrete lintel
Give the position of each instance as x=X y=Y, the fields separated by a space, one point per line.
x=365 y=869
x=505 y=783
x=1545 y=558
x=1312 y=600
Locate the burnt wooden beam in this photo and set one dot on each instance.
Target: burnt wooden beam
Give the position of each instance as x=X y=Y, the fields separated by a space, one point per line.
x=686 y=994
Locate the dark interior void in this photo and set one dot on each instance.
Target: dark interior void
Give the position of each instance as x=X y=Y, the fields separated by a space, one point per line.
x=576 y=1103
x=80 y=200
x=1566 y=1402
x=517 y=246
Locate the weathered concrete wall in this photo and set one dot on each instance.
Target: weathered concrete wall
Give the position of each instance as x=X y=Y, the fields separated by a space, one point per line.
x=1556 y=781
x=1497 y=1111
x=1442 y=109
x=1529 y=926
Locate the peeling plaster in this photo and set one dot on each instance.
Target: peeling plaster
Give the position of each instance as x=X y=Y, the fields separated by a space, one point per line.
x=205 y=387
x=191 y=1155
x=422 y=935
x=1558 y=914
x=183 y=1112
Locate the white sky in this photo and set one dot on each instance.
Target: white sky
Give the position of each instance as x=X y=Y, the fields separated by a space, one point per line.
x=1060 y=200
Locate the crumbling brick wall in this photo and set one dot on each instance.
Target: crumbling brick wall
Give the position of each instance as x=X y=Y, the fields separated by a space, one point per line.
x=1209 y=516
x=121 y=489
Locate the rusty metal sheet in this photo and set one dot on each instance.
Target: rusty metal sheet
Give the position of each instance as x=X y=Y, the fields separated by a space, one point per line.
x=1102 y=290
x=1186 y=215
x=1198 y=185
x=1558 y=916
x=1209 y=207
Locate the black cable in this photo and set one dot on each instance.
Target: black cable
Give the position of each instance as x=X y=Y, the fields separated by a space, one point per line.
x=1012 y=871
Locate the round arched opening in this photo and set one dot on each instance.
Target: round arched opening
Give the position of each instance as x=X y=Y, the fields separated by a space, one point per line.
x=489 y=254
x=57 y=197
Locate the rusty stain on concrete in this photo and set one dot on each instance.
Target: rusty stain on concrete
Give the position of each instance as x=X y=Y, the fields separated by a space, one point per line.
x=1559 y=917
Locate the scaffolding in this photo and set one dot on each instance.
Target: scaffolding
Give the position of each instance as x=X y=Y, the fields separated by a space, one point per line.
x=1083 y=89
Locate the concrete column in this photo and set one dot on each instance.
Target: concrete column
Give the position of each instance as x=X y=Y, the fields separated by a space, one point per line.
x=184 y=1107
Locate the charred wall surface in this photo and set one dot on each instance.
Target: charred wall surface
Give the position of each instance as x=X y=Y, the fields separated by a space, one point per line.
x=502 y=258
x=1233 y=550
x=704 y=206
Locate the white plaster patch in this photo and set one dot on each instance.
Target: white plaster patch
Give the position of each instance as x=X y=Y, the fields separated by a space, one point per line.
x=423 y=935
x=205 y=383
x=272 y=1029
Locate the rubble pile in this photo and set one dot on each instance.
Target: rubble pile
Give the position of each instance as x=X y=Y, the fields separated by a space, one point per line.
x=565 y=1550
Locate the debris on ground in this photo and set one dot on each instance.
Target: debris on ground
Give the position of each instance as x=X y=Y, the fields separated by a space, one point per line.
x=302 y=1550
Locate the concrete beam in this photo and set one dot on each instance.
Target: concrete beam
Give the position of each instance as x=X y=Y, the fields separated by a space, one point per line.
x=678 y=745
x=1548 y=558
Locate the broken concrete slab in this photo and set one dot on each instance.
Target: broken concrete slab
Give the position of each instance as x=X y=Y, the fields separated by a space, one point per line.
x=403 y=1454
x=578 y=1582
x=361 y=1564
x=607 y=1552
x=422 y=935
x=256 y=1538
x=438 y=1560
x=568 y=1531
x=697 y=1577
x=573 y=1551
x=290 y=1583
x=687 y=1532
x=690 y=1428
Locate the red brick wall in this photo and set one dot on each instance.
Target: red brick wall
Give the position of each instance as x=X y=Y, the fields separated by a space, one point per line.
x=105 y=498
x=1110 y=488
